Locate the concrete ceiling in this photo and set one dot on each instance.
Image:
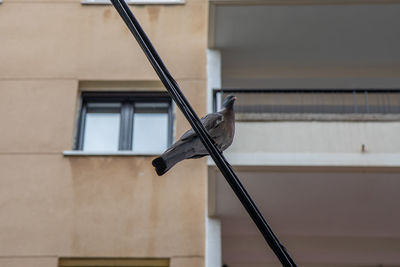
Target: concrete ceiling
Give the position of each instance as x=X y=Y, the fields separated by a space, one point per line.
x=308 y=41
x=340 y=218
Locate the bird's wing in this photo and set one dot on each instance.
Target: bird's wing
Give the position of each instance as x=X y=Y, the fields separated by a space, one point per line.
x=209 y=122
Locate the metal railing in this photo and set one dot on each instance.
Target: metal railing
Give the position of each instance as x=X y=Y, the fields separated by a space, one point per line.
x=338 y=101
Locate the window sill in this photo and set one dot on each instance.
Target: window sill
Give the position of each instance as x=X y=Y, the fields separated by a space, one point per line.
x=79 y=153
x=135 y=2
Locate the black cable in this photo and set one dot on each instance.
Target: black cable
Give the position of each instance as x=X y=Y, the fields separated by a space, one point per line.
x=176 y=94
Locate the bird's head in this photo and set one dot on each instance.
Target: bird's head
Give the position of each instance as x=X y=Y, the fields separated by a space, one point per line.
x=228 y=102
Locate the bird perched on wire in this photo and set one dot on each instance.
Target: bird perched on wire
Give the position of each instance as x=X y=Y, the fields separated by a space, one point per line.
x=221 y=127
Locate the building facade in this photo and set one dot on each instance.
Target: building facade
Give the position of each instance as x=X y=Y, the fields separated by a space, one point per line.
x=57 y=205
x=84 y=114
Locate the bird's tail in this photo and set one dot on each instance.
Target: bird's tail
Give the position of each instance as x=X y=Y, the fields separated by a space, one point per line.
x=160 y=166
x=168 y=159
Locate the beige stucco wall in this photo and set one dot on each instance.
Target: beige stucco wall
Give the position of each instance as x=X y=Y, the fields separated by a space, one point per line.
x=28 y=261
x=69 y=40
x=101 y=206
x=55 y=206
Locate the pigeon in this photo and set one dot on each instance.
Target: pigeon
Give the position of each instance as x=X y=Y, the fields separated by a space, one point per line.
x=221 y=127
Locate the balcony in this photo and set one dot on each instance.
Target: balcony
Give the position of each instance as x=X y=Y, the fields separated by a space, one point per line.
x=321 y=163
x=318 y=127
x=318 y=163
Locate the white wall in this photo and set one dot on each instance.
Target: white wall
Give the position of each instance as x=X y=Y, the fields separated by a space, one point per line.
x=315 y=144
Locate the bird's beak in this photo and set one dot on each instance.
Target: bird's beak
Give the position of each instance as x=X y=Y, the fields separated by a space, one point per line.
x=234 y=98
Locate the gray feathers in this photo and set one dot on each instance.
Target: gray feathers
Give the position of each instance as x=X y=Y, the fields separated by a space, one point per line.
x=220 y=126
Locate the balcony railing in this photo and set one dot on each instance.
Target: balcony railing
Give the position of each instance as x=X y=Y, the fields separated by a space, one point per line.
x=313 y=104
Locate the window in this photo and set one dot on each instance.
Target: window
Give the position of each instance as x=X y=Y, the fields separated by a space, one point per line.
x=137 y=122
x=110 y=262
